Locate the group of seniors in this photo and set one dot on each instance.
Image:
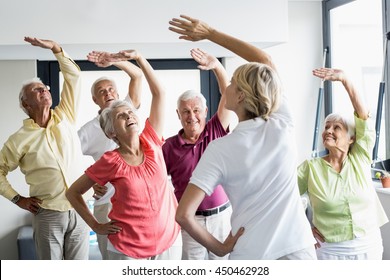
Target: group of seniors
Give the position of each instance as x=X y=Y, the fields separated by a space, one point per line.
x=205 y=193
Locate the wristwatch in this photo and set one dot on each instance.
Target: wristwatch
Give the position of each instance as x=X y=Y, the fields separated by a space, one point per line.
x=15 y=199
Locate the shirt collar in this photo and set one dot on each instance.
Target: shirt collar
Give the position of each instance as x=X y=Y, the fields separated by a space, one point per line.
x=182 y=141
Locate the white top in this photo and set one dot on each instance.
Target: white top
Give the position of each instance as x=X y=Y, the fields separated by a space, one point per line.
x=257 y=165
x=95 y=143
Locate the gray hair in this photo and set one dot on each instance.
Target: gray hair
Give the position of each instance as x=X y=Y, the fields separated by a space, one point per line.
x=100 y=80
x=22 y=92
x=106 y=118
x=347 y=122
x=192 y=94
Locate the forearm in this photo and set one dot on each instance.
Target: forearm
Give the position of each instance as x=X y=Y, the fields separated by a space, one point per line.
x=201 y=235
x=222 y=78
x=154 y=84
x=6 y=189
x=157 y=109
x=135 y=84
x=78 y=203
x=241 y=48
x=356 y=100
x=70 y=94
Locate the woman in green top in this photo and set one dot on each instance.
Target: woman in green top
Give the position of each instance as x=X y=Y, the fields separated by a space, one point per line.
x=347 y=213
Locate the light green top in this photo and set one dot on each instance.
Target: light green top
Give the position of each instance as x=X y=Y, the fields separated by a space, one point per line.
x=345 y=205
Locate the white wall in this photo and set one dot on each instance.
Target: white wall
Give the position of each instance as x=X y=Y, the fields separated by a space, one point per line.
x=295 y=60
x=120 y=24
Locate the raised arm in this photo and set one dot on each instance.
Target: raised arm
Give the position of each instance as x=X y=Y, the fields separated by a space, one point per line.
x=135 y=74
x=46 y=44
x=70 y=95
x=209 y=62
x=192 y=29
x=333 y=75
x=157 y=110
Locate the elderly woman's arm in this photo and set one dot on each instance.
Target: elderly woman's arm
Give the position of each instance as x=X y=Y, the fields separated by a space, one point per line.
x=157 y=110
x=339 y=75
x=192 y=29
x=75 y=196
x=185 y=216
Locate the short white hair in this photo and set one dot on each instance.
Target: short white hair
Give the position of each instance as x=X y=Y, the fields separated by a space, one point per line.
x=100 y=80
x=192 y=94
x=22 y=92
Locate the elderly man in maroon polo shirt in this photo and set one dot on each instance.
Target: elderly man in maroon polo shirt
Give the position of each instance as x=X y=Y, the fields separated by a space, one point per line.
x=183 y=151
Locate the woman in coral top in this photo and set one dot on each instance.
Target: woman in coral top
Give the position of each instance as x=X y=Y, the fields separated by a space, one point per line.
x=143 y=211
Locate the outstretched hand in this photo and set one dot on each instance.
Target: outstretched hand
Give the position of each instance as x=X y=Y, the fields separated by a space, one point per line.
x=205 y=60
x=329 y=74
x=46 y=44
x=99 y=58
x=190 y=29
x=104 y=59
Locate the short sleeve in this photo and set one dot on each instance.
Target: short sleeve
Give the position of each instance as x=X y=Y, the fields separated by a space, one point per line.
x=303 y=177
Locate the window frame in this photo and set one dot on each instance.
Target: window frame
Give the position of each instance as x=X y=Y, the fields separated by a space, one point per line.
x=48 y=71
x=327 y=6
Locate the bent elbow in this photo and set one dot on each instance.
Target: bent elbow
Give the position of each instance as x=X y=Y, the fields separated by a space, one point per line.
x=182 y=219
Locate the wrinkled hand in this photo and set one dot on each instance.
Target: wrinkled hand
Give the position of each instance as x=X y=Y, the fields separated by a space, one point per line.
x=99 y=58
x=318 y=236
x=205 y=60
x=31 y=204
x=99 y=191
x=230 y=242
x=46 y=44
x=329 y=74
x=190 y=29
x=107 y=228
x=105 y=58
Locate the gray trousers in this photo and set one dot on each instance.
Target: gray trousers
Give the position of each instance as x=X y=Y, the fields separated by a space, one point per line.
x=60 y=235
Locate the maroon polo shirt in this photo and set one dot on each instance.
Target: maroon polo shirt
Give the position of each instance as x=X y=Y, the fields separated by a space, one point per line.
x=181 y=159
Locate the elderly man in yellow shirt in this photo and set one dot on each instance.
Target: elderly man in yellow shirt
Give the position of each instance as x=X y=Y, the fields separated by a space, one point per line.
x=47 y=151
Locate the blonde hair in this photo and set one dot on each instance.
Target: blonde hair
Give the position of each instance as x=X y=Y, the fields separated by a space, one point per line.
x=261 y=87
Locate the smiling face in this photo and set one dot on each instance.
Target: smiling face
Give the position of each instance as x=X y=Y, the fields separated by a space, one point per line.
x=336 y=136
x=105 y=93
x=192 y=116
x=125 y=122
x=36 y=95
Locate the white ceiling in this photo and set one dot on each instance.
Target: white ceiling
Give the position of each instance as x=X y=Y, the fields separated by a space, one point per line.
x=82 y=26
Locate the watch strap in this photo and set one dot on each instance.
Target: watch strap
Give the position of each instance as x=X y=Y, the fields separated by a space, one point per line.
x=15 y=199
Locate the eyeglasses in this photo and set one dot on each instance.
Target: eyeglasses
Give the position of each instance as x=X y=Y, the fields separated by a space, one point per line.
x=41 y=89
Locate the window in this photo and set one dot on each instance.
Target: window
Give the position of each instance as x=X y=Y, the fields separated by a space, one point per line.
x=176 y=76
x=353 y=33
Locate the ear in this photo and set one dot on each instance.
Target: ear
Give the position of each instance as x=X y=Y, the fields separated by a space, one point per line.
x=178 y=115
x=352 y=140
x=240 y=96
x=112 y=136
x=26 y=106
x=206 y=110
x=94 y=99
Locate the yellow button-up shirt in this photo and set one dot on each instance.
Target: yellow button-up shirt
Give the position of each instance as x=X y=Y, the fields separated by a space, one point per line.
x=345 y=205
x=48 y=157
